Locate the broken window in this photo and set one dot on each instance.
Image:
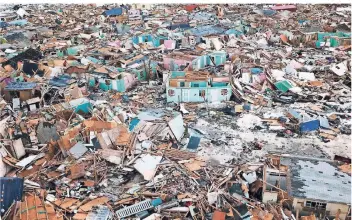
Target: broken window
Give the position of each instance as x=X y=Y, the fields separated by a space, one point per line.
x=202 y=93
x=212 y=59
x=317 y=205
x=171 y=92
x=224 y=92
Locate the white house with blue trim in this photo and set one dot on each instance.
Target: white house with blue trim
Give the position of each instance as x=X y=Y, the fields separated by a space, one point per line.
x=184 y=86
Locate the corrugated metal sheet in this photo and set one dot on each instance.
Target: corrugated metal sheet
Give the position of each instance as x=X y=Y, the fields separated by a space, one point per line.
x=102 y=213
x=11 y=189
x=17 y=86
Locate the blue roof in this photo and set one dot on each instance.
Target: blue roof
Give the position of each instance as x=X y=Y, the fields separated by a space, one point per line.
x=206 y=30
x=17 y=86
x=114 y=11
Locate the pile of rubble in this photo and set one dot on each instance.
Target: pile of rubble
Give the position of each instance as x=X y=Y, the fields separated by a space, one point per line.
x=175 y=111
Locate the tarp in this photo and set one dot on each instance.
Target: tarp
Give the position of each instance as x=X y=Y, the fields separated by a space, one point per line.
x=113 y=12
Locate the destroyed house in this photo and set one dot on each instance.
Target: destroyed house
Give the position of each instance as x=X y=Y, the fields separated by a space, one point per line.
x=80 y=105
x=140 y=70
x=284 y=7
x=179 y=25
x=30 y=54
x=61 y=80
x=206 y=30
x=134 y=14
x=156 y=41
x=315 y=186
x=212 y=59
x=179 y=61
x=110 y=78
x=131 y=59
x=197 y=87
x=7 y=16
x=119 y=82
x=305 y=122
x=23 y=90
x=333 y=39
x=203 y=17
x=142 y=6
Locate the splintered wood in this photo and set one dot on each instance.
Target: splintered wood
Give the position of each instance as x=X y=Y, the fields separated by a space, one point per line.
x=33 y=208
x=179 y=154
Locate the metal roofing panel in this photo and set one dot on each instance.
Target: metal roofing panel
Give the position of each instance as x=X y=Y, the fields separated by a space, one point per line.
x=318 y=180
x=17 y=86
x=11 y=189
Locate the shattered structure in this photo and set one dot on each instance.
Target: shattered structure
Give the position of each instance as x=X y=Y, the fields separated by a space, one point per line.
x=175 y=112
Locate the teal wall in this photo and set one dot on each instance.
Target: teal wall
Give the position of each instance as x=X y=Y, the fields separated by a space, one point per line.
x=115 y=84
x=83 y=108
x=199 y=84
x=218 y=84
x=175 y=74
x=333 y=42
x=141 y=74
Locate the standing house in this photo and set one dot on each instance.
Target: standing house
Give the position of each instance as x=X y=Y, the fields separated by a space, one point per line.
x=314 y=185
x=197 y=87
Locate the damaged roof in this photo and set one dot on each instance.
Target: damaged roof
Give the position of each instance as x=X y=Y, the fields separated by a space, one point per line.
x=318 y=180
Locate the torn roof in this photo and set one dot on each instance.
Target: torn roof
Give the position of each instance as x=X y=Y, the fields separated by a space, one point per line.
x=181 y=56
x=318 y=180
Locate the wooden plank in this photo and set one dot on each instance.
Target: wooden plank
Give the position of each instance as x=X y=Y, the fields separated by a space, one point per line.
x=98 y=201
